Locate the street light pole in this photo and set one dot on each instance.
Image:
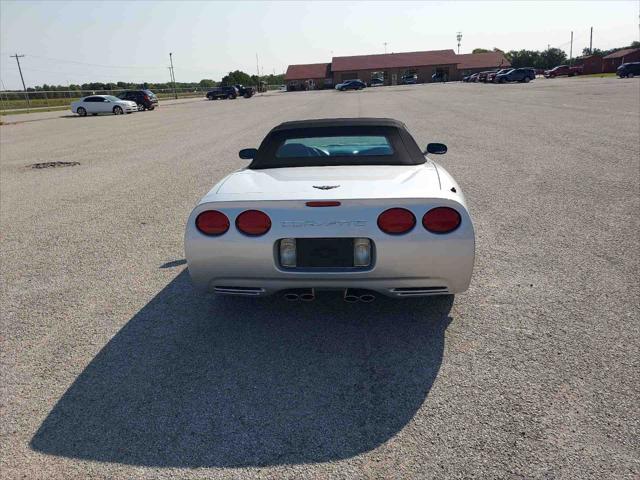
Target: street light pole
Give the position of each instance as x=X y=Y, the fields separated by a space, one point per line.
x=173 y=75
x=26 y=94
x=459 y=37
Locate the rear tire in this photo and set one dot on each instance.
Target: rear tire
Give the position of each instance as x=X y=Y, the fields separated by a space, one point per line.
x=527 y=79
x=630 y=75
x=152 y=107
x=117 y=110
x=81 y=111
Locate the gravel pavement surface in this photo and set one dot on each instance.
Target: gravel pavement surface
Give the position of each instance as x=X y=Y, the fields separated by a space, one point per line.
x=113 y=367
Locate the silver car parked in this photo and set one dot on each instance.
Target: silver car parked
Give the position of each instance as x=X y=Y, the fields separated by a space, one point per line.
x=96 y=104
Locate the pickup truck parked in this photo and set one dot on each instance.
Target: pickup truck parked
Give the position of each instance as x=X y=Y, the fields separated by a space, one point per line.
x=561 y=70
x=246 y=92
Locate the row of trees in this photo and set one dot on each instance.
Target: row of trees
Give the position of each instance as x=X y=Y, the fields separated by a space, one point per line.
x=545 y=59
x=604 y=53
x=232 y=78
x=241 y=78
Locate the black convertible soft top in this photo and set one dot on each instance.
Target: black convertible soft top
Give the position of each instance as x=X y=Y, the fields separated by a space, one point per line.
x=405 y=149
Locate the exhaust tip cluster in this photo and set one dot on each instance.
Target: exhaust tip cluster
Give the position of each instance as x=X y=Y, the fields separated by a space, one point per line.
x=351 y=295
x=304 y=294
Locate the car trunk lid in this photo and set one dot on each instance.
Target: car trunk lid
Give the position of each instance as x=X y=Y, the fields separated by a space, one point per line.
x=340 y=182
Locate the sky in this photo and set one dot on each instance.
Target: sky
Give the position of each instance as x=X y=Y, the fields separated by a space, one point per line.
x=82 y=41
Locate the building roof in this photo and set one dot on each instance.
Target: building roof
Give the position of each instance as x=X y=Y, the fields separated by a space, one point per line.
x=307 y=71
x=622 y=53
x=393 y=60
x=482 y=60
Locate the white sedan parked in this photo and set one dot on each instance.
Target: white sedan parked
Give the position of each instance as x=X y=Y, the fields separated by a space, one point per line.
x=96 y=104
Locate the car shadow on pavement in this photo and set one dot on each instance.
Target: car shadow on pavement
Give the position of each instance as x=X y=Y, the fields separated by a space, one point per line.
x=199 y=381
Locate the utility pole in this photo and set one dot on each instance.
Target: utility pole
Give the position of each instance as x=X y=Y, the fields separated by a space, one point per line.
x=257 y=66
x=459 y=37
x=591 y=42
x=173 y=76
x=571 y=50
x=26 y=94
x=170 y=75
x=3 y=89
x=385 y=47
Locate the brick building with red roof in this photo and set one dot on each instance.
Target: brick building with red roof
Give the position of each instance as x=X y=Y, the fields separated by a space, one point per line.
x=612 y=61
x=310 y=76
x=391 y=67
x=424 y=66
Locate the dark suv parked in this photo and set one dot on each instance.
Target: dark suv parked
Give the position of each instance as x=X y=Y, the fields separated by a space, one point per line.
x=222 y=92
x=517 y=75
x=628 y=70
x=145 y=99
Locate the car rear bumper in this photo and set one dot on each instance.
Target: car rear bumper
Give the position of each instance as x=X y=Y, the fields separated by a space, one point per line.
x=428 y=263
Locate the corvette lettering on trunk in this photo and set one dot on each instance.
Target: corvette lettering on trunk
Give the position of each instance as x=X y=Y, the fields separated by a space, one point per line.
x=330 y=223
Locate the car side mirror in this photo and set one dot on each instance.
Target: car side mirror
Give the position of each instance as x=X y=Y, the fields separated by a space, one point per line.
x=436 y=148
x=249 y=153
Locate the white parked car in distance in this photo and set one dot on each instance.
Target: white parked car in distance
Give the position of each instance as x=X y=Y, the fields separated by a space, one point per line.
x=96 y=104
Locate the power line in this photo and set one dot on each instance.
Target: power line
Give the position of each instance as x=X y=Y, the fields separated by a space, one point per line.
x=143 y=67
x=139 y=67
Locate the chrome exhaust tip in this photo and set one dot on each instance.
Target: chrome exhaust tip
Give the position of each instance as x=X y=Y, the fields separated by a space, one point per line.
x=350 y=296
x=353 y=295
x=304 y=294
x=291 y=297
x=308 y=295
x=367 y=298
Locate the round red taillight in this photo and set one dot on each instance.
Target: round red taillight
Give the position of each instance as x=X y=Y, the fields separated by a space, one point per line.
x=396 y=221
x=441 y=220
x=253 y=222
x=212 y=222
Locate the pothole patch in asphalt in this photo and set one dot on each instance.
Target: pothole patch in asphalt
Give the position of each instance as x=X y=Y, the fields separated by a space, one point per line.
x=54 y=164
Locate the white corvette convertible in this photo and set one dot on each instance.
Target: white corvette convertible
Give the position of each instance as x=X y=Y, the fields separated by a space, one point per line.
x=334 y=204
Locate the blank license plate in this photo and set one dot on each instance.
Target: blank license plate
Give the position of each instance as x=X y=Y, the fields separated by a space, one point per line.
x=324 y=252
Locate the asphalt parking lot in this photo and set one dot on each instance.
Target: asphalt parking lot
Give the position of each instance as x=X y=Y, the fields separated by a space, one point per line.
x=112 y=367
